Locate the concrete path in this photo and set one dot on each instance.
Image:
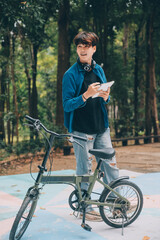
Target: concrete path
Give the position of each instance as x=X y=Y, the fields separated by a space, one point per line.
x=54 y=219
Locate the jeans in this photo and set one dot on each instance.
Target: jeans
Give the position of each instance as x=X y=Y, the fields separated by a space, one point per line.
x=84 y=158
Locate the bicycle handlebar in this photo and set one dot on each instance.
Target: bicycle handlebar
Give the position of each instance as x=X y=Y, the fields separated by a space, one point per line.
x=37 y=124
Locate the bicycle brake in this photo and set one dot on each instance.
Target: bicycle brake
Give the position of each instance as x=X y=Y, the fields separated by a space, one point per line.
x=72 y=140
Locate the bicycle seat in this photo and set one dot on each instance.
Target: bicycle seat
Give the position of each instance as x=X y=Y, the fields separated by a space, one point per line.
x=106 y=153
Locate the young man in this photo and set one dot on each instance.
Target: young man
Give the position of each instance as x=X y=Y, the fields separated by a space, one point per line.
x=86 y=116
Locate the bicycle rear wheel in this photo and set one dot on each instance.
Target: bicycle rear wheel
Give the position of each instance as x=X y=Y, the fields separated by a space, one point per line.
x=23 y=218
x=126 y=214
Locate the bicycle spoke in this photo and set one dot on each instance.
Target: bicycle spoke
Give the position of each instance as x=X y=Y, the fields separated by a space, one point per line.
x=124 y=214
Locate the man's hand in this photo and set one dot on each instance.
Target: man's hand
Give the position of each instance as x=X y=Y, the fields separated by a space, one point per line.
x=104 y=94
x=92 y=89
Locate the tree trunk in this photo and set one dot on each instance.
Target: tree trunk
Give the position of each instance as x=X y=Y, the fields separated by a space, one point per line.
x=151 y=102
x=154 y=112
x=15 y=103
x=26 y=68
x=136 y=85
x=5 y=82
x=2 y=102
x=63 y=57
x=8 y=110
x=100 y=23
x=123 y=107
x=125 y=43
x=34 y=95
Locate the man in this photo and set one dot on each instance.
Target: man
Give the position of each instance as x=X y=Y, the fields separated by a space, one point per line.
x=85 y=115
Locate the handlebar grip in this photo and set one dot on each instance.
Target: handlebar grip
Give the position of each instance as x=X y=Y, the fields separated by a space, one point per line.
x=30 y=119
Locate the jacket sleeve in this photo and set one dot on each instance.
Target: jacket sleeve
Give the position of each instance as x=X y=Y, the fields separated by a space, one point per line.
x=69 y=90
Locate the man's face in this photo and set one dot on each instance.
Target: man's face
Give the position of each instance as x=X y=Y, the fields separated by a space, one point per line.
x=85 y=52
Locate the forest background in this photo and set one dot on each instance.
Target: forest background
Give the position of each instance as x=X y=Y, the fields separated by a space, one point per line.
x=36 y=48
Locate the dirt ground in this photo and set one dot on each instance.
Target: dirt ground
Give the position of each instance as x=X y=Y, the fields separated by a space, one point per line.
x=141 y=158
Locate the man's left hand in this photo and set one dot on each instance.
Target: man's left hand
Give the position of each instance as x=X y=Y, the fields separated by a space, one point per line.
x=104 y=94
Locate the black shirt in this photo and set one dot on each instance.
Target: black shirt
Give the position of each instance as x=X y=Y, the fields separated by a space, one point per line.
x=89 y=118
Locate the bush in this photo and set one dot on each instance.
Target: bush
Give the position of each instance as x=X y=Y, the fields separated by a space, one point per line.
x=23 y=147
x=29 y=146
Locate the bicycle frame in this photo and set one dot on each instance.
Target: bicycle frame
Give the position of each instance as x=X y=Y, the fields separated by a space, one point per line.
x=76 y=180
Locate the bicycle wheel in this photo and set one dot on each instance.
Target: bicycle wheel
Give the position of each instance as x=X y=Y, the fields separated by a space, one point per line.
x=126 y=214
x=23 y=218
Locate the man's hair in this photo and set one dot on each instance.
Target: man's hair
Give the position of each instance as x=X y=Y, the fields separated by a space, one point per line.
x=89 y=38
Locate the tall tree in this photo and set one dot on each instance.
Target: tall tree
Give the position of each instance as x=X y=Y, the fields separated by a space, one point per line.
x=63 y=55
x=151 y=102
x=8 y=15
x=4 y=79
x=2 y=101
x=15 y=103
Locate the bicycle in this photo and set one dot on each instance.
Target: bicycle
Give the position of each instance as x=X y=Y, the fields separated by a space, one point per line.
x=120 y=202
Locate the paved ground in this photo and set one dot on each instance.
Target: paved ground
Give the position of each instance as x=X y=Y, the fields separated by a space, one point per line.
x=54 y=220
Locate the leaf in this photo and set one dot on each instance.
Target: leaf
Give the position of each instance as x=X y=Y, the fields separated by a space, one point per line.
x=42 y=208
x=14 y=185
x=146 y=238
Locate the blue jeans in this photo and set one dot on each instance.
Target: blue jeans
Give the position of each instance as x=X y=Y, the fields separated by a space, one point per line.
x=84 y=158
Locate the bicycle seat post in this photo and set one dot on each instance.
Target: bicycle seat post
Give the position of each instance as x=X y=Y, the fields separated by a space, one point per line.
x=99 y=164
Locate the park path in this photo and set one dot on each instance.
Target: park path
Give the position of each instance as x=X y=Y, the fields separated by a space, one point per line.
x=141 y=158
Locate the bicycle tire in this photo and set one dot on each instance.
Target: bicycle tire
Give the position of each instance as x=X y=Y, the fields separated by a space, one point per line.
x=115 y=217
x=23 y=218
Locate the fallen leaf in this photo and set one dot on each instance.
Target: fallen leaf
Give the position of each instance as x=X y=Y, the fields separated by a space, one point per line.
x=42 y=208
x=146 y=238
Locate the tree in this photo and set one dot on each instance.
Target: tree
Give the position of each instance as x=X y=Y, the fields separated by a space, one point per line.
x=151 y=103
x=9 y=12
x=63 y=55
x=15 y=103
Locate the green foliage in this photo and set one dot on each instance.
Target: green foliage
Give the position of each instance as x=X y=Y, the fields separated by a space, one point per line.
x=46 y=84
x=26 y=147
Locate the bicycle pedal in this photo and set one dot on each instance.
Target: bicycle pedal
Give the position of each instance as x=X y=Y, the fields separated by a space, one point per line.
x=86 y=226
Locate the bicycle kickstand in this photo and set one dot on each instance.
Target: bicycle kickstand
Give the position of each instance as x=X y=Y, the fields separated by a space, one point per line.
x=124 y=216
x=85 y=225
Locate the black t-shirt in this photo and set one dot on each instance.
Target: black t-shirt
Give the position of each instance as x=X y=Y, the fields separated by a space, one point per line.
x=89 y=118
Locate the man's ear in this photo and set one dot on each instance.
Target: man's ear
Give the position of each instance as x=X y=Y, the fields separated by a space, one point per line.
x=94 y=47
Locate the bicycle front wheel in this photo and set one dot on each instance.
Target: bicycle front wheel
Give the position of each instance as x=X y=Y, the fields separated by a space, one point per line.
x=126 y=214
x=23 y=218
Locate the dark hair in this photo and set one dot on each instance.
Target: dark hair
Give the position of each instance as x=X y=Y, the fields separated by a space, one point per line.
x=89 y=38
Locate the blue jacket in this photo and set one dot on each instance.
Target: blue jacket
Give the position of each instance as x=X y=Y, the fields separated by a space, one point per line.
x=71 y=86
